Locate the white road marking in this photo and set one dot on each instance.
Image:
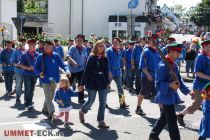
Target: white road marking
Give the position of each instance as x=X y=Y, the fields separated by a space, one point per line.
x=24 y=122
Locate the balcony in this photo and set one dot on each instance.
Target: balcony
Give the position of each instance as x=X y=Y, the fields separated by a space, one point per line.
x=34 y=17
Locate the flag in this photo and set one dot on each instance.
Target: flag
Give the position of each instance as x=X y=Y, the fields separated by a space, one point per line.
x=133 y=4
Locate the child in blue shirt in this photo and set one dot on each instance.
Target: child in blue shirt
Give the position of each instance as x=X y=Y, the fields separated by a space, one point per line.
x=204 y=130
x=63 y=98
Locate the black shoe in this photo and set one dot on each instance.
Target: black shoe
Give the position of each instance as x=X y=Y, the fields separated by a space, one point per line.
x=46 y=113
x=140 y=112
x=153 y=138
x=31 y=109
x=81 y=101
x=107 y=106
x=180 y=119
x=18 y=100
x=66 y=125
x=124 y=105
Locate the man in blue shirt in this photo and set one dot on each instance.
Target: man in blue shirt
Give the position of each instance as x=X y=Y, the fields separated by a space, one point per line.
x=7 y=66
x=77 y=57
x=167 y=95
x=58 y=48
x=202 y=73
x=148 y=63
x=137 y=51
x=128 y=66
x=16 y=57
x=114 y=57
x=47 y=67
x=27 y=63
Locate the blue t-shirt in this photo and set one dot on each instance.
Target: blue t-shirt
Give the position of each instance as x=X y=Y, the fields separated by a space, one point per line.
x=202 y=64
x=16 y=57
x=79 y=56
x=5 y=58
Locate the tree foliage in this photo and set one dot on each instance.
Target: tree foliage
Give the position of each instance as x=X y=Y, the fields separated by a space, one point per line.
x=20 y=6
x=200 y=15
x=178 y=10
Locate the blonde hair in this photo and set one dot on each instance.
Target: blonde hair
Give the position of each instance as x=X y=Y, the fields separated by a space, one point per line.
x=64 y=79
x=95 y=48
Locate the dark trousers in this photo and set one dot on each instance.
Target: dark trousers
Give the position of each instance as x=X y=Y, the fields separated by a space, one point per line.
x=29 y=85
x=168 y=115
x=8 y=76
x=138 y=80
x=78 y=77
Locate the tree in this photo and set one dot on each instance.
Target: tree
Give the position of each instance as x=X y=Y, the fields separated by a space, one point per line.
x=178 y=10
x=201 y=14
x=20 y=6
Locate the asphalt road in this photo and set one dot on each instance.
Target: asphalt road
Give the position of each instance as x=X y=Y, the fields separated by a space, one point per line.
x=124 y=124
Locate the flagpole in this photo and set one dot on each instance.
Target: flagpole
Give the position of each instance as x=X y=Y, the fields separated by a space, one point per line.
x=118 y=19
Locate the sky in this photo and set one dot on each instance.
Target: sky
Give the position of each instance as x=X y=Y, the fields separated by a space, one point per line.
x=185 y=3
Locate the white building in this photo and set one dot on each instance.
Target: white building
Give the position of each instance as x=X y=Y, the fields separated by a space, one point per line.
x=8 y=10
x=72 y=17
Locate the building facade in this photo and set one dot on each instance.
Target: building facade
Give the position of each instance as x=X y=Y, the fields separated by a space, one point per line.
x=105 y=18
x=8 y=10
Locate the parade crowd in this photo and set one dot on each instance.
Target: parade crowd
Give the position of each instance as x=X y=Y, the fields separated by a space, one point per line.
x=134 y=65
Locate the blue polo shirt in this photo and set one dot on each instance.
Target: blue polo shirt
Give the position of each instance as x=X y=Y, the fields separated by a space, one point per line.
x=28 y=60
x=79 y=56
x=149 y=59
x=59 y=50
x=51 y=67
x=114 y=58
x=136 y=54
x=128 y=55
x=5 y=57
x=202 y=64
x=16 y=57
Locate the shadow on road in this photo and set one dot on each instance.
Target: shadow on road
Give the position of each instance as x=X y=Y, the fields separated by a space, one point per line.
x=102 y=134
x=118 y=111
x=18 y=106
x=5 y=97
x=28 y=114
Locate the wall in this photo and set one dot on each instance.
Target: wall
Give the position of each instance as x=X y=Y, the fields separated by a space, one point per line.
x=95 y=15
x=58 y=16
x=8 y=10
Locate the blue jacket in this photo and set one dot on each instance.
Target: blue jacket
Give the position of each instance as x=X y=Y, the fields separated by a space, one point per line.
x=136 y=55
x=202 y=64
x=165 y=94
x=51 y=67
x=79 y=57
x=204 y=129
x=59 y=50
x=28 y=60
x=96 y=74
x=149 y=59
x=114 y=58
x=65 y=96
x=16 y=57
x=5 y=57
x=128 y=57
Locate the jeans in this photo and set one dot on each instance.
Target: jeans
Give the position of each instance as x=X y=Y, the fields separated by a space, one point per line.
x=29 y=85
x=8 y=76
x=49 y=91
x=102 y=94
x=130 y=77
x=118 y=81
x=168 y=115
x=19 y=83
x=190 y=65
